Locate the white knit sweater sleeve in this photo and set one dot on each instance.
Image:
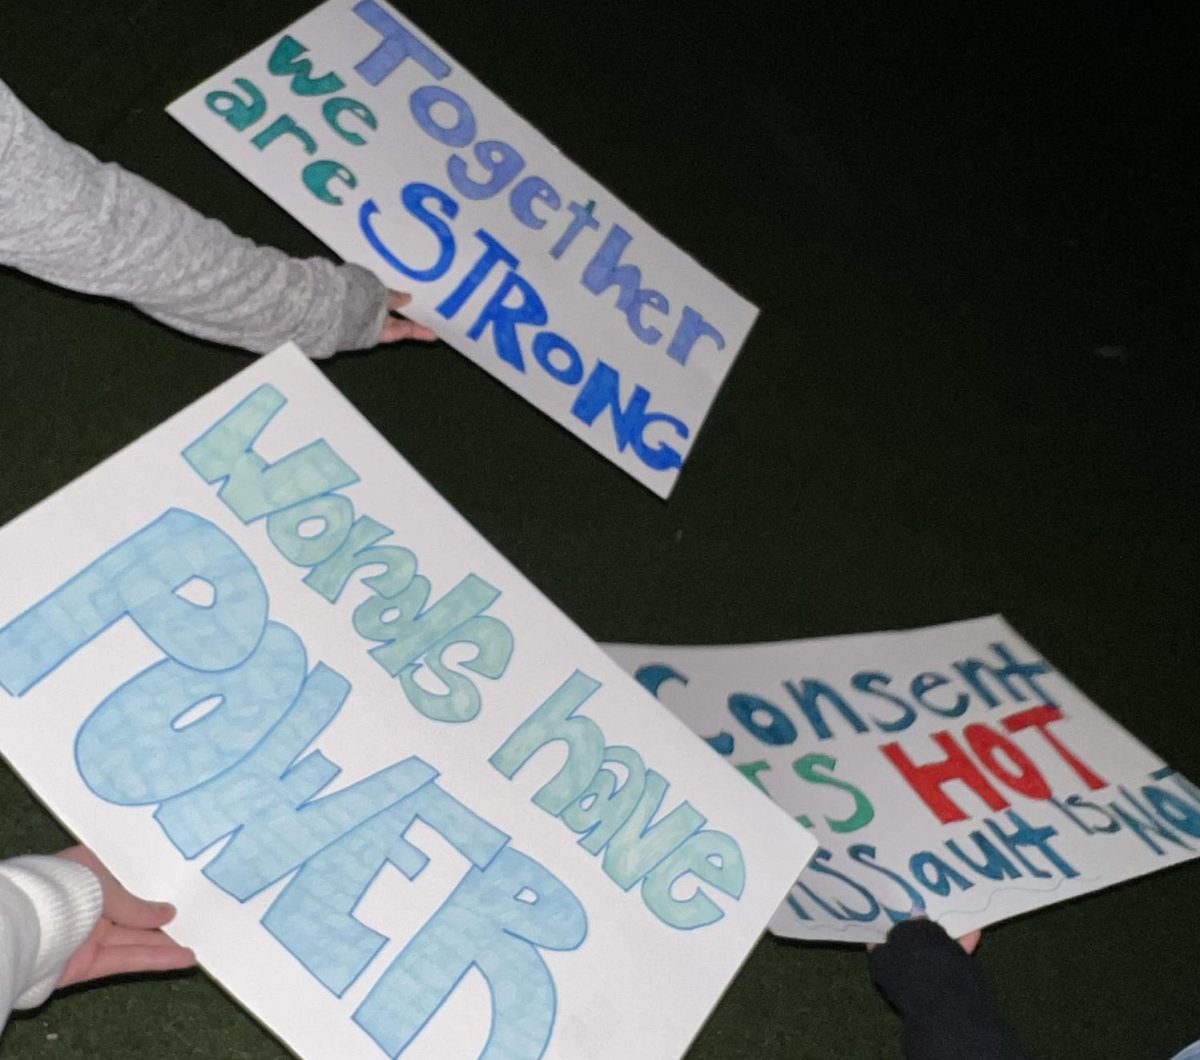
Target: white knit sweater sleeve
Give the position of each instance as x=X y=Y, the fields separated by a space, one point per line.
x=48 y=907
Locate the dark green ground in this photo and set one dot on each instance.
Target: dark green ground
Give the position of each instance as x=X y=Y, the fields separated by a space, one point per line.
x=943 y=222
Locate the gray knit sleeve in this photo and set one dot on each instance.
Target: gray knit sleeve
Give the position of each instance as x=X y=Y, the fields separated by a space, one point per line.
x=96 y=228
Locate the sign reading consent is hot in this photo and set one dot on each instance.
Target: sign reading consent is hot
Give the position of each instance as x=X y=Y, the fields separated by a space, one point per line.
x=951 y=769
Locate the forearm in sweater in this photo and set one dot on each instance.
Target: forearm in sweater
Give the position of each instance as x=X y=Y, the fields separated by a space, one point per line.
x=68 y=219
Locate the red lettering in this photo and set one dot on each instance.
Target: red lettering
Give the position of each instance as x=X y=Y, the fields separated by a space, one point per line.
x=928 y=780
x=1041 y=718
x=988 y=744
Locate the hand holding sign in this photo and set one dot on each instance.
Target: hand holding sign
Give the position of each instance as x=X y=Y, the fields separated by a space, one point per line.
x=261 y=666
x=397 y=327
x=398 y=159
x=128 y=937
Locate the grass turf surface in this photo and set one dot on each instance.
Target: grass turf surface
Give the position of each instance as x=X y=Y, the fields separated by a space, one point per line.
x=972 y=389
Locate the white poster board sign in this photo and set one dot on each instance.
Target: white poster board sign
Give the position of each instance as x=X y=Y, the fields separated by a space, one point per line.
x=950 y=767
x=403 y=804
x=380 y=143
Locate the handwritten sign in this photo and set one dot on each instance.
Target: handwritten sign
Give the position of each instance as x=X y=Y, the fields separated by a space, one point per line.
x=951 y=768
x=403 y=804
x=382 y=145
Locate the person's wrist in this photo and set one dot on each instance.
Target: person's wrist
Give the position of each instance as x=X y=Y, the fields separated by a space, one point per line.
x=364 y=309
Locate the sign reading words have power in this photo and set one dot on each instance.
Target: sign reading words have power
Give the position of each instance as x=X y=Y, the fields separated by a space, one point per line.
x=385 y=148
x=403 y=804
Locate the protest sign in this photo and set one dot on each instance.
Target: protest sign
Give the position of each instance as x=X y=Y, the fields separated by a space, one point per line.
x=373 y=137
x=950 y=768
x=403 y=804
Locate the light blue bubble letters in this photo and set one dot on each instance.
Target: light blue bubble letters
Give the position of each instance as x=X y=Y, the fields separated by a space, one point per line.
x=219 y=735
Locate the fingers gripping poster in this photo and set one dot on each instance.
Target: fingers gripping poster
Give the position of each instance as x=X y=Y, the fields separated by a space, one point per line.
x=378 y=141
x=404 y=806
x=951 y=769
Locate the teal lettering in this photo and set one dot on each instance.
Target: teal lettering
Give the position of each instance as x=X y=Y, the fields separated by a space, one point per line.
x=250 y=487
x=285 y=60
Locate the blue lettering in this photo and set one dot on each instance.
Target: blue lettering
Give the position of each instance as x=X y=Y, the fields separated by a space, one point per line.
x=525 y=194
x=493 y=254
x=605 y=271
x=268 y=800
x=414 y=197
x=136 y=747
x=545 y=345
x=692 y=327
x=925 y=683
x=495 y=921
x=819 y=865
x=397 y=45
x=314 y=914
x=866 y=682
x=581 y=218
x=502 y=161
x=603 y=391
x=140 y=578
x=808 y=697
x=422 y=103
x=762 y=719
x=504 y=318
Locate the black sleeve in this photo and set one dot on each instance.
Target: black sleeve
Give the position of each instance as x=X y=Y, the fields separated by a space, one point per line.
x=939 y=990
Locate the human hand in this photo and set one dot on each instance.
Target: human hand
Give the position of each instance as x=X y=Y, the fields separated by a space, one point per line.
x=127 y=937
x=397 y=327
x=968 y=942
